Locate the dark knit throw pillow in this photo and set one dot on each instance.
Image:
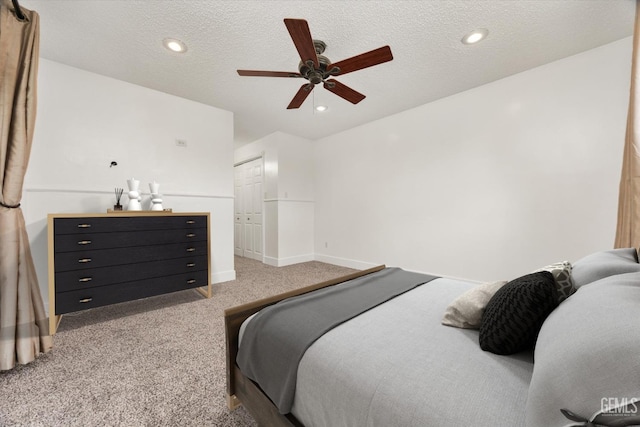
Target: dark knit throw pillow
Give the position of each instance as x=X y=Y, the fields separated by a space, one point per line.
x=514 y=315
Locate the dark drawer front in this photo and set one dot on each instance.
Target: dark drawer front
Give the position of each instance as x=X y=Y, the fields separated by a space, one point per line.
x=126 y=223
x=67 y=302
x=89 y=278
x=88 y=259
x=121 y=239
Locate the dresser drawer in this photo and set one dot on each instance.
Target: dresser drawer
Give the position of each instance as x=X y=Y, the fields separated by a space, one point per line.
x=89 y=278
x=121 y=239
x=89 y=259
x=124 y=223
x=67 y=302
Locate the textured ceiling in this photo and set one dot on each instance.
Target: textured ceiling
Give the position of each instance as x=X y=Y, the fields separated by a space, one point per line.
x=123 y=39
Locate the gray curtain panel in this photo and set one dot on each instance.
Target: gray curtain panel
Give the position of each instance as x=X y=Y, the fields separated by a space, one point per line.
x=23 y=324
x=628 y=230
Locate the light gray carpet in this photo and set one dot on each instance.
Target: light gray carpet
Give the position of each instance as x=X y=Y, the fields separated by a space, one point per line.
x=153 y=362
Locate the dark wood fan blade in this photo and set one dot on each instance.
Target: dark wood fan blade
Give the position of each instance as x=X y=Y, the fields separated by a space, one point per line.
x=301 y=36
x=299 y=98
x=343 y=91
x=364 y=60
x=255 y=73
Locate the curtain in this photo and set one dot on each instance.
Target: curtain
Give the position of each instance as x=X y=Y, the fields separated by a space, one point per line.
x=23 y=324
x=628 y=230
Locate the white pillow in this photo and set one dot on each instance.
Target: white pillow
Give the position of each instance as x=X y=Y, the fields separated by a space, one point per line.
x=466 y=310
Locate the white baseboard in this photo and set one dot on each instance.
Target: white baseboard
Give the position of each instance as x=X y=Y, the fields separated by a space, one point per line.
x=282 y=262
x=223 y=276
x=344 y=262
x=270 y=261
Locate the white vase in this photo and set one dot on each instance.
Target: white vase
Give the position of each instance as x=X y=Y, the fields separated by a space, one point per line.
x=156 y=199
x=154 y=187
x=134 y=195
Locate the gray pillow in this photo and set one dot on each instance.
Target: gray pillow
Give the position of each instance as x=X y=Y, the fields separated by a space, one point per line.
x=604 y=264
x=466 y=310
x=587 y=351
x=562 y=275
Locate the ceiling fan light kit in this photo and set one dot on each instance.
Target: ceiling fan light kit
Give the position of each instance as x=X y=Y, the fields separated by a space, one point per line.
x=317 y=68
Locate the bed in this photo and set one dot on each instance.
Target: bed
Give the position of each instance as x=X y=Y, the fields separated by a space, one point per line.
x=395 y=363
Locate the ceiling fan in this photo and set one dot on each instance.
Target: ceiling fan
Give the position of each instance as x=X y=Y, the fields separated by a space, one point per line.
x=317 y=68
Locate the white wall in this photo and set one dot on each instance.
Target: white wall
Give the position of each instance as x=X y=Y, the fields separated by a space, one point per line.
x=295 y=200
x=85 y=121
x=486 y=184
x=288 y=201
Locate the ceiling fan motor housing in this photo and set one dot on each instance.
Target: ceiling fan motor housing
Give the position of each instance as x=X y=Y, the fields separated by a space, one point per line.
x=313 y=74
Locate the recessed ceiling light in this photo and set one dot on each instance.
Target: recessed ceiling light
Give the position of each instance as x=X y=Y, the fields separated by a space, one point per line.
x=321 y=108
x=475 y=36
x=174 y=45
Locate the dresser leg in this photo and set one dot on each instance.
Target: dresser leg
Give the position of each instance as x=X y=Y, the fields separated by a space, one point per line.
x=205 y=291
x=54 y=322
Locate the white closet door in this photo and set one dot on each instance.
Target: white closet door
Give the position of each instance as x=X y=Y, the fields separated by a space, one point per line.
x=238 y=211
x=249 y=215
x=257 y=209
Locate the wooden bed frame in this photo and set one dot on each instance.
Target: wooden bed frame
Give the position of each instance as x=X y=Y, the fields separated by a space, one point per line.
x=240 y=389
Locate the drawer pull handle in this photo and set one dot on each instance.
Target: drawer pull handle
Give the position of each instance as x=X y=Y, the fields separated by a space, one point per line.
x=191 y=249
x=190 y=221
x=85 y=279
x=84 y=242
x=84 y=225
x=191 y=282
x=84 y=260
x=191 y=264
x=191 y=235
x=85 y=300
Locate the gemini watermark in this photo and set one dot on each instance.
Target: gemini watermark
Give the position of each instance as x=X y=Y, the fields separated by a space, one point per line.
x=614 y=411
x=619 y=406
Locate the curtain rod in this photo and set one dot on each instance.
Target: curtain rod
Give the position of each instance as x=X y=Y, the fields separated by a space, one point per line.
x=17 y=10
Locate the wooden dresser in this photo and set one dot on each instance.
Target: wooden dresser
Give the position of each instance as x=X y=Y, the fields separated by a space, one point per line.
x=102 y=259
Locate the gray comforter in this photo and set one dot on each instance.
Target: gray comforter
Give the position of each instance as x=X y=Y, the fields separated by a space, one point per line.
x=275 y=340
x=397 y=365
